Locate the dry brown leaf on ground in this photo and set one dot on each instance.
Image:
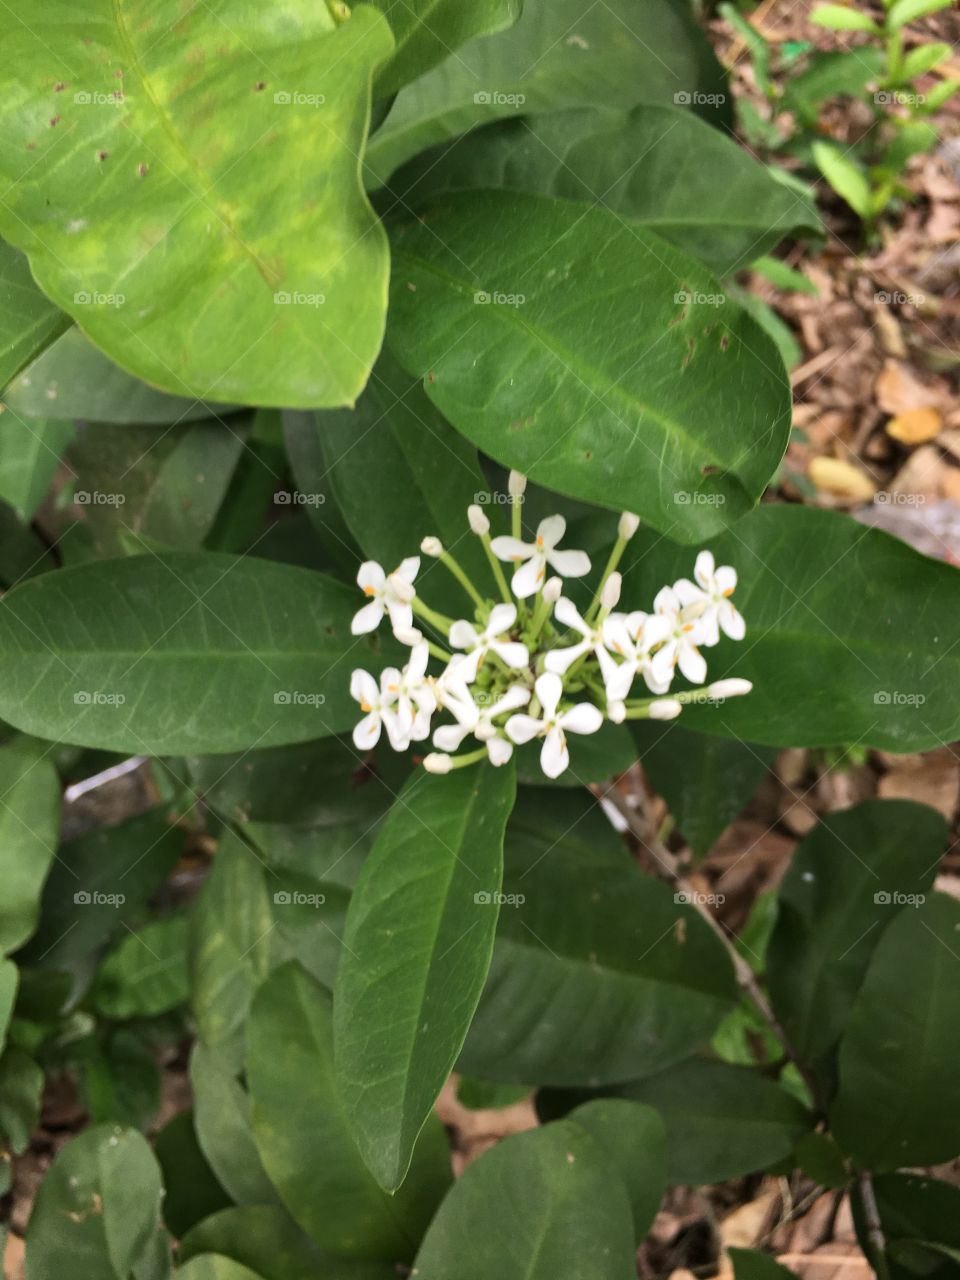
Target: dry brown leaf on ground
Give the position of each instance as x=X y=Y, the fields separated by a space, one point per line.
x=932 y=779
x=915 y=426
x=473 y=1132
x=898 y=390
x=841 y=479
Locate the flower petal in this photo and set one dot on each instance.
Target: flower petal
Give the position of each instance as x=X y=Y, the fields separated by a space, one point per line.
x=560 y=660
x=367 y=619
x=703 y=569
x=731 y=621
x=529 y=577
x=502 y=618
x=554 y=756
x=449 y=736
x=550 y=531
x=363 y=688
x=408 y=569
x=399 y=734
x=515 y=696
x=569 y=564
x=507 y=548
x=686 y=592
x=522 y=728
x=661 y=667
x=549 y=689
x=370 y=574
x=366 y=734
x=566 y=611
x=513 y=653
x=692 y=663
x=583 y=718
x=401 y=617
x=463 y=635
x=499 y=750
x=726 y=580
x=417 y=665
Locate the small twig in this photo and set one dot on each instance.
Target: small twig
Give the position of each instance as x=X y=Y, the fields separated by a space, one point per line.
x=871 y=1215
x=669 y=868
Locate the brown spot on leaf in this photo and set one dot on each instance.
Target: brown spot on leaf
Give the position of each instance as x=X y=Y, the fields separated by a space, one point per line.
x=142 y=170
x=102 y=155
x=260 y=86
x=724 y=341
x=55 y=121
x=59 y=87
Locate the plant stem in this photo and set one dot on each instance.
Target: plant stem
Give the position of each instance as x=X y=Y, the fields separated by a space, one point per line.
x=437 y=620
x=453 y=565
x=875 y=1236
x=669 y=868
x=497 y=569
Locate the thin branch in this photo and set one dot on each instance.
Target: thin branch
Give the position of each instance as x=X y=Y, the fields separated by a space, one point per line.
x=871 y=1217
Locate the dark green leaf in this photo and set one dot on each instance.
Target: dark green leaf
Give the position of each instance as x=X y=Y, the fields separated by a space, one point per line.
x=121 y=1081
x=417 y=949
x=29 y=826
x=899 y=1097
x=22 y=554
x=304 y=1140
x=224 y=1131
x=21 y=1087
x=922 y=1214
x=212 y=1266
x=146 y=974
x=635 y=1142
x=660 y=167
x=597 y=358
x=560 y=54
x=178 y=653
x=846 y=883
x=750 y=1264
x=148 y=225
x=29 y=456
x=831 y=665
x=598 y=974
x=535 y=1205
x=9 y=982
x=191 y=1189
x=28 y=319
x=429 y=31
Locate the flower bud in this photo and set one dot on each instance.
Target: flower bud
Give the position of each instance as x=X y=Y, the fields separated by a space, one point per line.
x=729 y=688
x=479 y=523
x=664 y=709
x=516 y=484
x=610 y=595
x=552 y=589
x=436 y=762
x=616 y=712
x=628 y=526
x=408 y=635
x=431 y=547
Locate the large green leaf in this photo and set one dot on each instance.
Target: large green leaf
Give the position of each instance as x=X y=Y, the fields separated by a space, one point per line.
x=899 y=1097
x=560 y=54
x=419 y=938
x=705 y=781
x=179 y=653
x=121 y=1080
x=428 y=31
x=847 y=881
x=74 y=379
x=923 y=1215
x=540 y=1205
x=29 y=827
x=224 y=1130
x=660 y=167
x=9 y=985
x=599 y=974
x=97 y=1209
x=597 y=358
x=137 y=158
x=304 y=1139
x=146 y=973
x=192 y=1191
x=214 y=1266
x=850 y=633
x=635 y=1141
x=29 y=456
x=21 y=1090
x=22 y=554
x=28 y=319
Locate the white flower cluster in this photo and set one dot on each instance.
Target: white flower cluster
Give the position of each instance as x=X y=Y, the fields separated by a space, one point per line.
x=532 y=665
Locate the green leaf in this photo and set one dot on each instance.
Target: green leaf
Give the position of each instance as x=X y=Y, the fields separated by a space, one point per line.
x=97 y=1209
x=635 y=1141
x=29 y=321
x=845 y=176
x=846 y=883
x=29 y=827
x=534 y=1205
x=899 y=1097
x=830 y=75
x=783 y=277
x=418 y=942
x=147 y=224
x=429 y=31
x=191 y=1189
x=831 y=664
x=76 y=380
x=303 y=1136
x=841 y=17
x=660 y=167
x=212 y=1266
x=598 y=973
x=9 y=984
x=100 y=881
x=29 y=456
x=265 y=1239
x=224 y=1131
x=722 y=1121
x=618 y=379
x=121 y=1080
x=560 y=54
x=922 y=1213
x=705 y=781
x=751 y=1264
x=940 y=94
x=178 y=653
x=904 y=11
x=22 y=554
x=923 y=59
x=21 y=1090
x=146 y=974
x=231 y=949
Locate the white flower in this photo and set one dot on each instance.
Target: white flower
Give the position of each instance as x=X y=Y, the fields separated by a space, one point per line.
x=414 y=699
x=665 y=709
x=680 y=648
x=463 y=635
x=375 y=705
x=478 y=720
x=631 y=636
x=533 y=557
x=560 y=660
x=710 y=600
x=434 y=763
x=391 y=593
x=553 y=727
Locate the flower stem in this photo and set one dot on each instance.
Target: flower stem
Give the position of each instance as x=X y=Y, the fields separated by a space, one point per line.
x=461 y=762
x=497 y=570
x=437 y=620
x=454 y=567
x=437 y=652
x=618 y=549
